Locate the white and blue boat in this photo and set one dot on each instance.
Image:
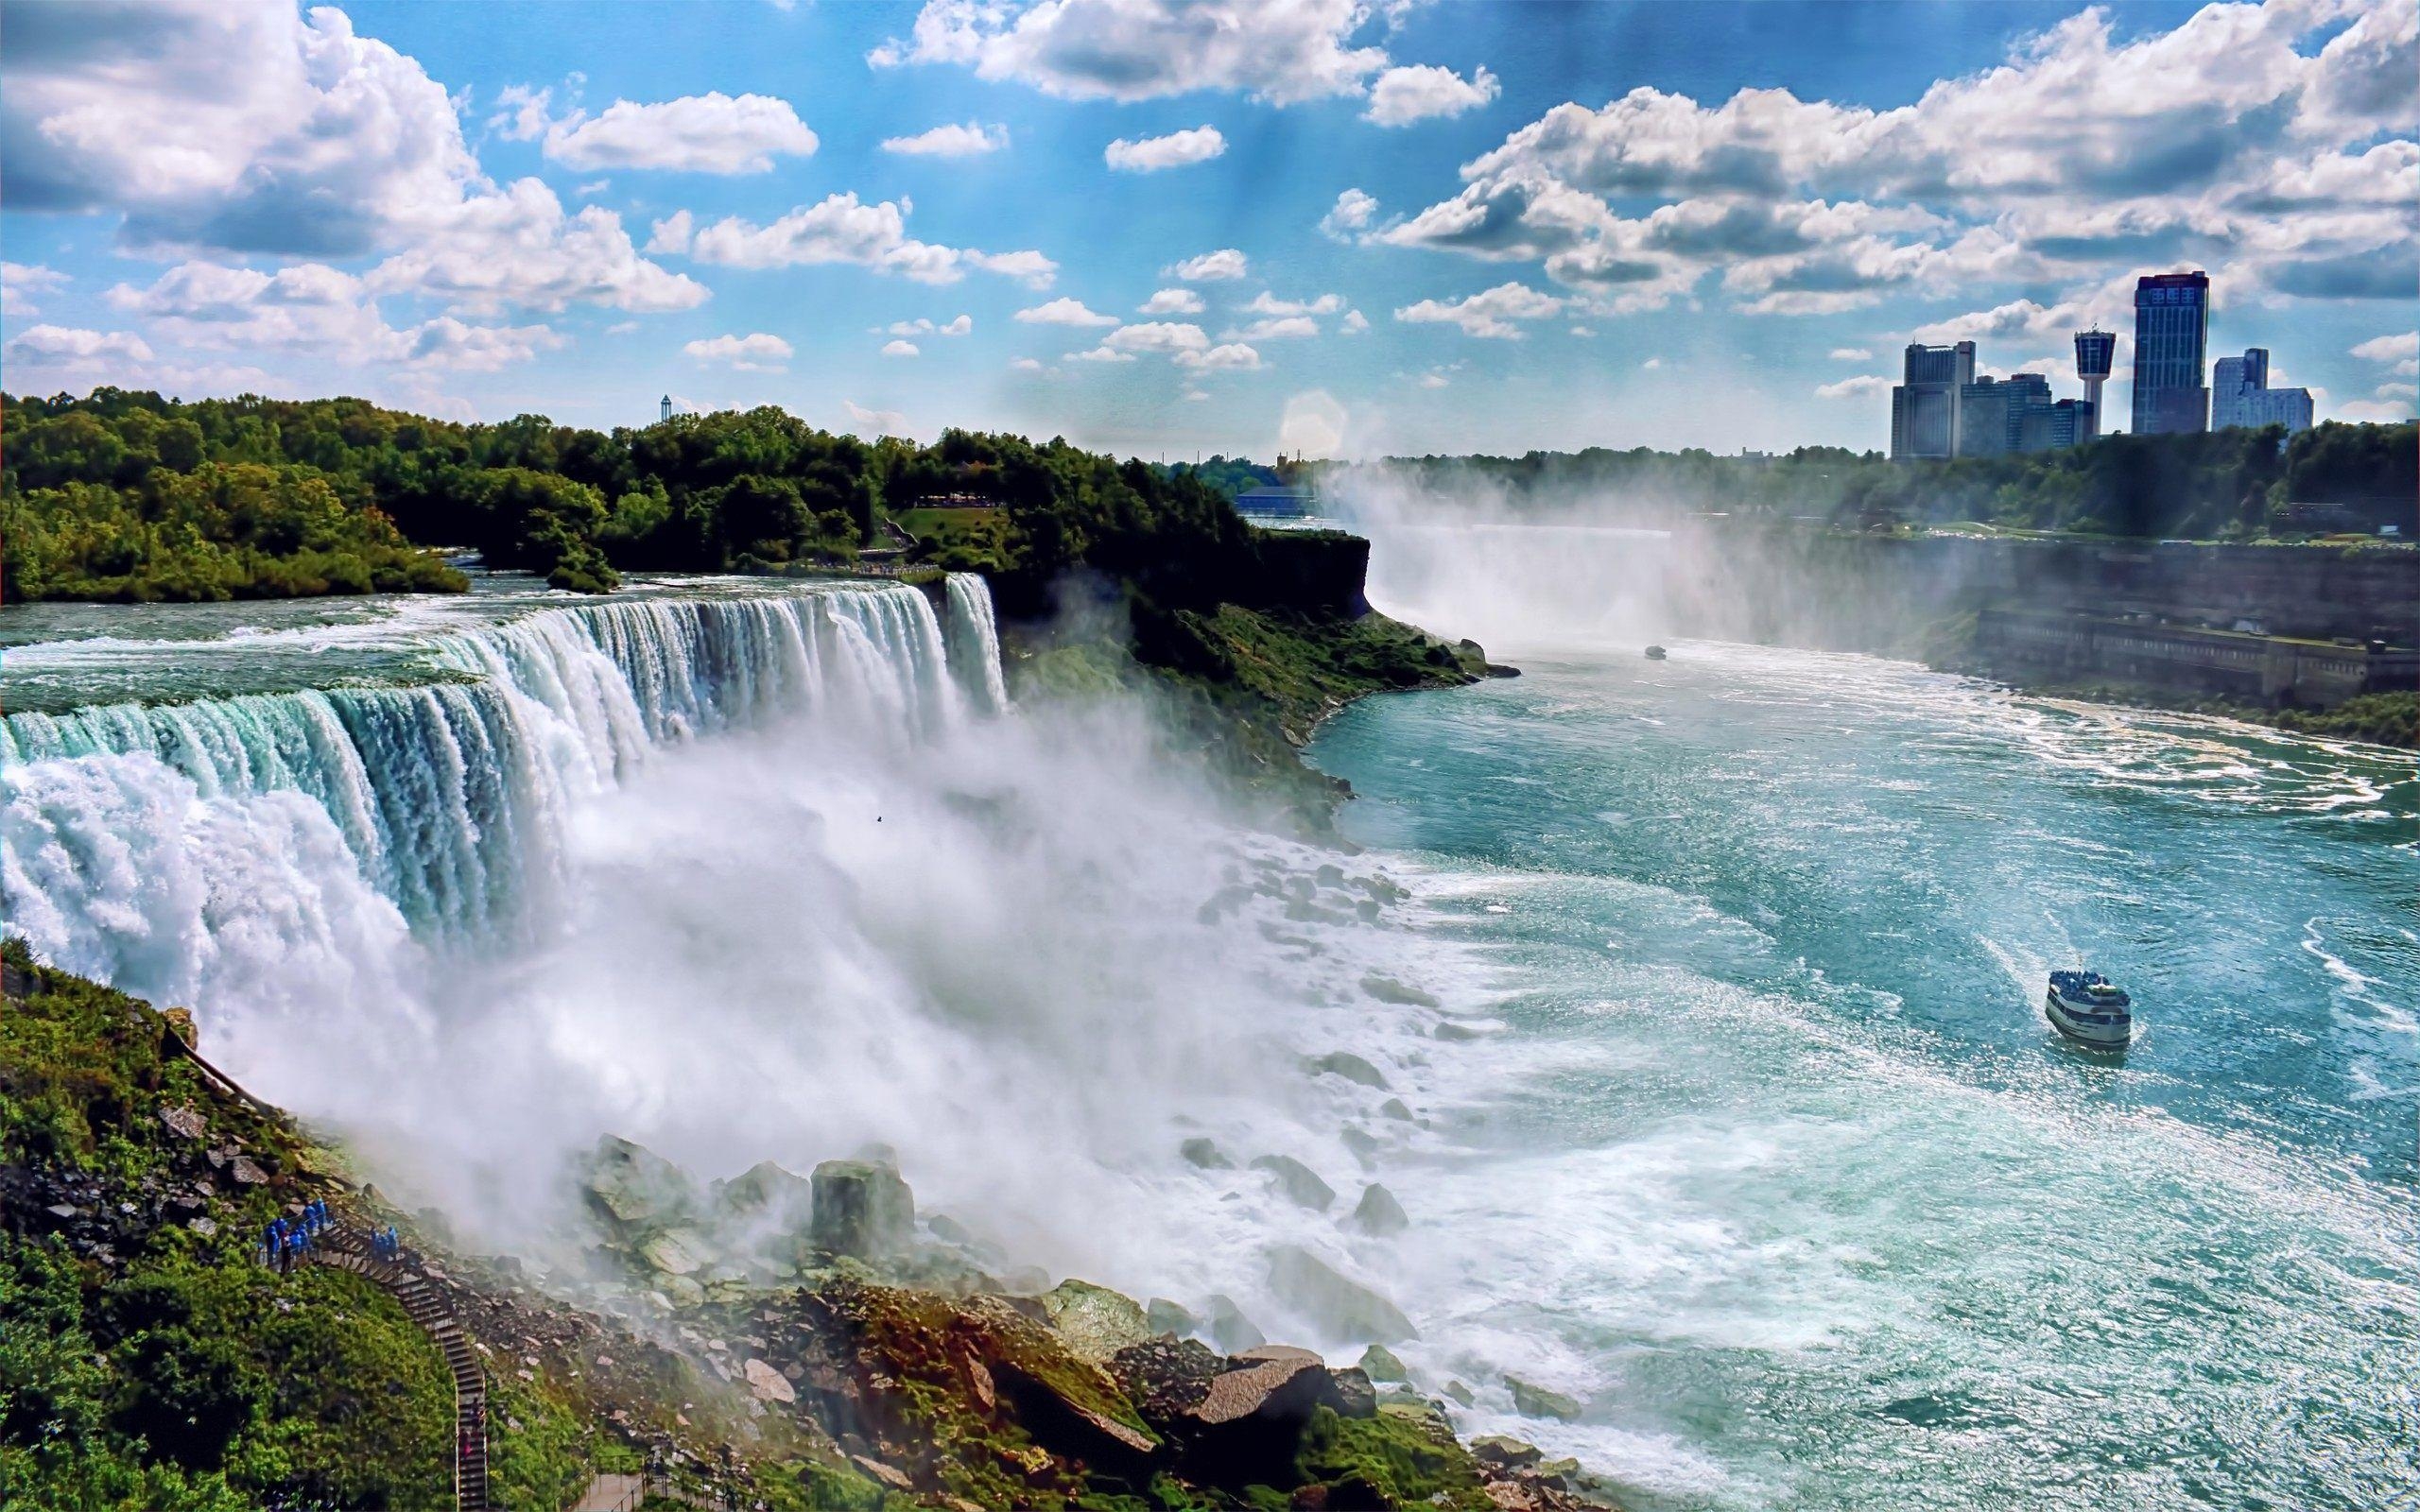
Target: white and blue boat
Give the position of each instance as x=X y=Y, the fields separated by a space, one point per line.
x=2089 y=1008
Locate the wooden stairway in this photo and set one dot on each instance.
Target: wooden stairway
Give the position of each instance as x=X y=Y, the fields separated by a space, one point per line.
x=348 y=1249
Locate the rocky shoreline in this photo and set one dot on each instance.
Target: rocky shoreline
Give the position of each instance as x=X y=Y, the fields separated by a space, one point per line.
x=779 y=1340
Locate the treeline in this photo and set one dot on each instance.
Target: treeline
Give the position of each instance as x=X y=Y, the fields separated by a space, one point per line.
x=128 y=495
x=139 y=508
x=1233 y=476
x=2224 y=485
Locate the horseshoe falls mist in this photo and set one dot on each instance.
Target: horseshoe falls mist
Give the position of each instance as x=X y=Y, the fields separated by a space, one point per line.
x=1736 y=1123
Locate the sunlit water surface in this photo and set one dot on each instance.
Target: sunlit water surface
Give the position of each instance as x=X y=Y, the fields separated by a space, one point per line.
x=1773 y=1160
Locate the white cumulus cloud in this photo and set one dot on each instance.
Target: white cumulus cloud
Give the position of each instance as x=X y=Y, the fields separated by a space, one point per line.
x=842 y=229
x=1172 y=302
x=1403 y=95
x=1282 y=51
x=1175 y=150
x=1064 y=311
x=58 y=346
x=1350 y=214
x=968 y=141
x=697 y=133
x=754 y=352
x=1492 y=313
x=1210 y=267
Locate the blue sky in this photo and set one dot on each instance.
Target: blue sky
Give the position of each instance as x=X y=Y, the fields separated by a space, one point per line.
x=1166 y=227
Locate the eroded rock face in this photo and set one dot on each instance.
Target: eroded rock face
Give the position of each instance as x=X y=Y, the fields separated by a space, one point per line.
x=862 y=1209
x=1345 y=1308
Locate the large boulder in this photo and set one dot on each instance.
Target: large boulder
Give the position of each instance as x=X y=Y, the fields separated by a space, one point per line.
x=675 y=1252
x=1350 y=1067
x=1378 y=1214
x=1532 y=1400
x=862 y=1209
x=1203 y=1151
x=1379 y=1363
x=1248 y=1425
x=766 y=1195
x=1344 y=1308
x=1163 y=1316
x=1063 y=1420
x=1227 y=1326
x=1299 y=1184
x=1356 y=1395
x=1094 y=1321
x=633 y=1189
x=1387 y=989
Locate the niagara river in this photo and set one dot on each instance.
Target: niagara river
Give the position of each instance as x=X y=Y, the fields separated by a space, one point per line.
x=1770 y=1156
x=1690 y=1010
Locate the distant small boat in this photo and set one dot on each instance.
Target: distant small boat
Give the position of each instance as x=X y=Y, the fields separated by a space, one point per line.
x=1655 y=653
x=2089 y=1008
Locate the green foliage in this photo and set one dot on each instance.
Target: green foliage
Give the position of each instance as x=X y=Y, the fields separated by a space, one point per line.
x=1402 y=1457
x=216 y=530
x=178 y=1373
x=1230 y=475
x=2380 y=718
x=2218 y=485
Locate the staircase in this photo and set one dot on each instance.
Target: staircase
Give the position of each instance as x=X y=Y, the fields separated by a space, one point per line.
x=348 y=1249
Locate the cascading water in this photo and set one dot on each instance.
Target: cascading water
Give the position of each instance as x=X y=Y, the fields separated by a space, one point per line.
x=732 y=871
x=975 y=642
x=450 y=797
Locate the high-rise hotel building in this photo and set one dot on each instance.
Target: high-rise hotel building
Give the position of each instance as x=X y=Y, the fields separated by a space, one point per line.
x=1924 y=405
x=2171 y=337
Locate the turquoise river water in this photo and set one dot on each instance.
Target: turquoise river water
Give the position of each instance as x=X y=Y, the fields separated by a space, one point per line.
x=1774 y=1160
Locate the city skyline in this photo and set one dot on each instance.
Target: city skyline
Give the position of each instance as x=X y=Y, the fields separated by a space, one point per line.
x=1233 y=226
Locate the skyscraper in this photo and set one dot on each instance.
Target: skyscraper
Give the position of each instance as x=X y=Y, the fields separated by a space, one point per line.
x=2228 y=374
x=1924 y=406
x=1992 y=411
x=2241 y=395
x=2050 y=427
x=2096 y=351
x=2172 y=333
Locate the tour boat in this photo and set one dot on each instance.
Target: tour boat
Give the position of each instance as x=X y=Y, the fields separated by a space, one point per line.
x=2089 y=1008
x=1655 y=653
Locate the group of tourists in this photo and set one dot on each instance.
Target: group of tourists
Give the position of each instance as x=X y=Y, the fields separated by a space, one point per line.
x=288 y=1240
x=385 y=1243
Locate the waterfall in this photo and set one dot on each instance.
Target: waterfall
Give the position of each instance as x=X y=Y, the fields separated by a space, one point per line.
x=975 y=642
x=446 y=802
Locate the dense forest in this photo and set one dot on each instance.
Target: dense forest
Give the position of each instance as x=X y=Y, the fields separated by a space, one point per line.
x=2231 y=485
x=127 y=495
